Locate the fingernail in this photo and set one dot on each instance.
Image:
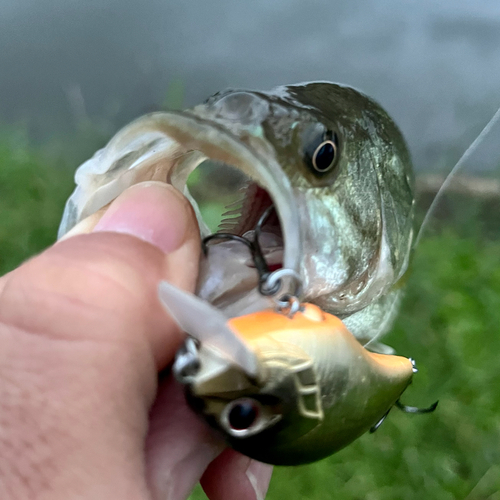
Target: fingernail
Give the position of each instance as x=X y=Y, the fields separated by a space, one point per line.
x=259 y=475
x=155 y=212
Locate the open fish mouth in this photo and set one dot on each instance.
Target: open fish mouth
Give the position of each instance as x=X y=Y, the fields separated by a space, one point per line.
x=331 y=162
x=168 y=147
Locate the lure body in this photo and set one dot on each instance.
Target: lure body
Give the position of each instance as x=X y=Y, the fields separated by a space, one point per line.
x=306 y=389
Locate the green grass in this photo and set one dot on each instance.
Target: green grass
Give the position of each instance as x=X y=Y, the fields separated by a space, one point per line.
x=33 y=190
x=449 y=323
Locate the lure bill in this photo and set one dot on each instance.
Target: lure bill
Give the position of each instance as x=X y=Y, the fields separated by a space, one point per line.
x=282 y=354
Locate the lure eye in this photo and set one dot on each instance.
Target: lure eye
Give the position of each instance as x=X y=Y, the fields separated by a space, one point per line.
x=323 y=159
x=245 y=417
x=321 y=151
x=243 y=414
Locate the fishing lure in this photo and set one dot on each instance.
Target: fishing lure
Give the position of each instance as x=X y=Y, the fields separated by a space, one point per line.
x=284 y=388
x=286 y=385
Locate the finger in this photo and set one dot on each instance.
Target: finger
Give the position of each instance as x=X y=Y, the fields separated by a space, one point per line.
x=3 y=281
x=232 y=475
x=179 y=446
x=166 y=220
x=82 y=335
x=154 y=212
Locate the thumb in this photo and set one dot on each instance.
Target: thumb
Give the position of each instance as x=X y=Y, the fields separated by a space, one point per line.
x=82 y=338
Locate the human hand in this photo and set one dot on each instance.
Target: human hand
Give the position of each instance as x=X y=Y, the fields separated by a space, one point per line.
x=83 y=338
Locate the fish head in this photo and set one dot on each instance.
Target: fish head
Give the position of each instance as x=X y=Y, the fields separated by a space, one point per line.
x=329 y=159
x=351 y=178
x=336 y=169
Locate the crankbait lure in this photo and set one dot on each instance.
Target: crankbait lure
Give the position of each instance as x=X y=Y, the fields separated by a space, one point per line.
x=284 y=388
x=286 y=385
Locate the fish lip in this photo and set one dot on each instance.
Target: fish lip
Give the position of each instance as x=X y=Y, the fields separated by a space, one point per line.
x=213 y=138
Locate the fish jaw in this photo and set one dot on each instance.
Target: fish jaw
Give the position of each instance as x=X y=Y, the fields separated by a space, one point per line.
x=168 y=147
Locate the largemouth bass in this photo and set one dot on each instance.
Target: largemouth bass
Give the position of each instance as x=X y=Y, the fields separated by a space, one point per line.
x=347 y=225
x=338 y=173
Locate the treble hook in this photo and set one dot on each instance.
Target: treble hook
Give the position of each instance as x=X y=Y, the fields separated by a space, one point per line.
x=255 y=250
x=405 y=409
x=414 y=409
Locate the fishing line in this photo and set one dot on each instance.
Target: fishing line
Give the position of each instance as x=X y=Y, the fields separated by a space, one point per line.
x=468 y=152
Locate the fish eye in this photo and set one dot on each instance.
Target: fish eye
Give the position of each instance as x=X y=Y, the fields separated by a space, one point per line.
x=321 y=153
x=323 y=158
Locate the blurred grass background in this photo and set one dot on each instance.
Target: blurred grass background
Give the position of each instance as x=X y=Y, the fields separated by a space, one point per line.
x=449 y=324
